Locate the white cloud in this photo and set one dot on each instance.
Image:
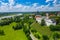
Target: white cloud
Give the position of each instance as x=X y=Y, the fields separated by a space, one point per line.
x=54 y=1
x=35 y=4
x=11 y=3
x=8 y=7
x=4 y=6
x=48 y=0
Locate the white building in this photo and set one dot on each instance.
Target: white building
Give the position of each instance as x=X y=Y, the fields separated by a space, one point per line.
x=38 y=18
x=50 y=22
x=46 y=18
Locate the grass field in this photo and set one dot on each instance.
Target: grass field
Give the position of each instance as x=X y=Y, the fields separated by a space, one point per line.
x=41 y=29
x=44 y=30
x=11 y=34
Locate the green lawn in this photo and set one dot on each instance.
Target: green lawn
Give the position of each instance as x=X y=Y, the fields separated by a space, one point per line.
x=10 y=34
x=41 y=29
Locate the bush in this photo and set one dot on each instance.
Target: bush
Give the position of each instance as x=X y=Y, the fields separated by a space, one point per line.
x=42 y=22
x=33 y=30
x=29 y=38
x=18 y=26
x=45 y=37
x=55 y=28
x=56 y=35
x=1 y=32
x=27 y=31
x=37 y=36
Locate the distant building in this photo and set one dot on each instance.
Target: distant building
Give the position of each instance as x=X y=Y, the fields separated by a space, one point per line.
x=58 y=13
x=30 y=17
x=47 y=15
x=52 y=15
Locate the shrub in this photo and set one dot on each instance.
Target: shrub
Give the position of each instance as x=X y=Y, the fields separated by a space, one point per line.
x=29 y=38
x=18 y=26
x=45 y=37
x=56 y=35
x=42 y=22
x=37 y=36
x=33 y=30
x=55 y=28
x=1 y=32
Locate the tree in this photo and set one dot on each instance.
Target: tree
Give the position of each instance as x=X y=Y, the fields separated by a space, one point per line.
x=51 y=27
x=55 y=28
x=33 y=31
x=1 y=32
x=42 y=22
x=18 y=26
x=45 y=37
x=57 y=18
x=37 y=36
x=17 y=19
x=27 y=32
x=56 y=36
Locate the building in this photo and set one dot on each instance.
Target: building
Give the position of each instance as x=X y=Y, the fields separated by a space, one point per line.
x=46 y=18
x=30 y=17
x=58 y=14
x=38 y=18
x=50 y=22
x=47 y=15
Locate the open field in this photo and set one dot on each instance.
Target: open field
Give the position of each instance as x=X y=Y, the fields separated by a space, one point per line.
x=10 y=34
x=43 y=30
x=21 y=26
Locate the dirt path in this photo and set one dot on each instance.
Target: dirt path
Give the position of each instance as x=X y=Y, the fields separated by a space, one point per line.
x=32 y=36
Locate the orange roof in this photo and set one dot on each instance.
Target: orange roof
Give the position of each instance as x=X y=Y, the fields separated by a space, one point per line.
x=38 y=16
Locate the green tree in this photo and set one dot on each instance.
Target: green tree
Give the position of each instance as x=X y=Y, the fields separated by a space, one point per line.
x=42 y=22
x=55 y=28
x=56 y=36
x=37 y=36
x=45 y=37
x=2 y=32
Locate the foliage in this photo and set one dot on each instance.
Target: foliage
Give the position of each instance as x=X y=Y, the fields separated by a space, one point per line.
x=27 y=32
x=37 y=35
x=45 y=37
x=55 y=28
x=56 y=35
x=17 y=19
x=42 y=22
x=6 y=21
x=33 y=31
x=2 y=32
x=18 y=26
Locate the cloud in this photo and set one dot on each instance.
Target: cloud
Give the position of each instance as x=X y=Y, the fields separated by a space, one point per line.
x=8 y=7
x=35 y=4
x=48 y=0
x=11 y=2
x=54 y=1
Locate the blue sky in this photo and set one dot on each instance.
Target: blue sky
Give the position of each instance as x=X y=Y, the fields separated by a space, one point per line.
x=29 y=5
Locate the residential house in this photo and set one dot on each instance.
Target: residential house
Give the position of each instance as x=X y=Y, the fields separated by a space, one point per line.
x=46 y=18
x=50 y=22
x=38 y=18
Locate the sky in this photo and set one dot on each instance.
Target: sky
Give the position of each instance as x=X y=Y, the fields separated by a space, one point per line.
x=29 y=5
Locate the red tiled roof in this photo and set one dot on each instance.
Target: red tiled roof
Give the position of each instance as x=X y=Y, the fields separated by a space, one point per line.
x=38 y=16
